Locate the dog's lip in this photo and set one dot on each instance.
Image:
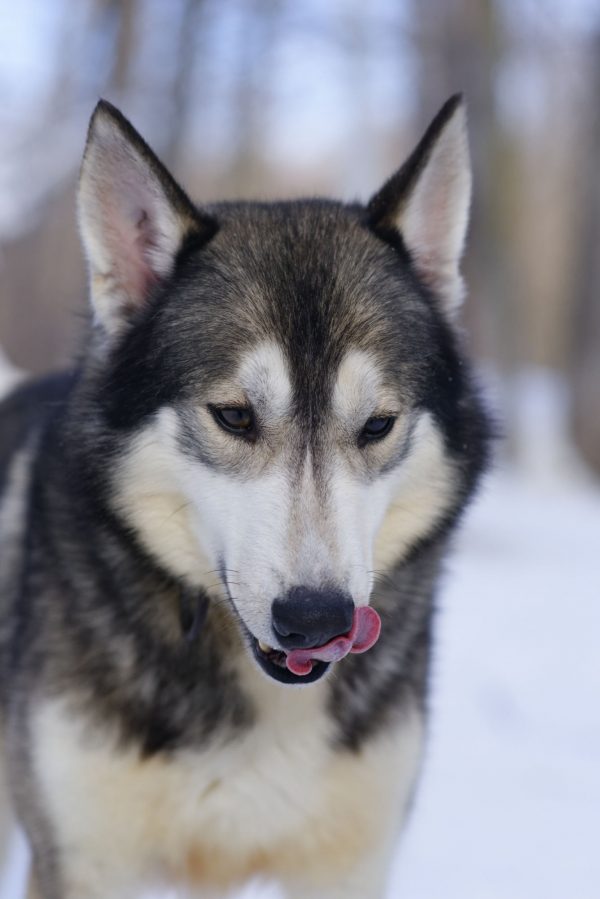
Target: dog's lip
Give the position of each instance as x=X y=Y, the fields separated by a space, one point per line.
x=279 y=670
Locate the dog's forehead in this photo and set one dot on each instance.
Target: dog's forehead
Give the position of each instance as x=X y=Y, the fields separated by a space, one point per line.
x=312 y=276
x=302 y=267
x=356 y=388
x=310 y=280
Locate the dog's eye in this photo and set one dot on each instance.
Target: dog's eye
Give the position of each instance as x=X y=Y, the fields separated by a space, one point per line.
x=235 y=419
x=376 y=428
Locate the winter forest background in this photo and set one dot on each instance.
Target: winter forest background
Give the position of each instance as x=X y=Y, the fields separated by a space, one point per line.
x=266 y=98
x=259 y=98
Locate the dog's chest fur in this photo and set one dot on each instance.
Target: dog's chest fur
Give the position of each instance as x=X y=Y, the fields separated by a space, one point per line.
x=276 y=799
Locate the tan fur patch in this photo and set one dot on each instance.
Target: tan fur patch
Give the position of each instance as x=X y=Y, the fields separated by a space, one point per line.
x=424 y=490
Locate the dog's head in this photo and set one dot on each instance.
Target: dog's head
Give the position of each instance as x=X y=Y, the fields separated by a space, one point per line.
x=282 y=382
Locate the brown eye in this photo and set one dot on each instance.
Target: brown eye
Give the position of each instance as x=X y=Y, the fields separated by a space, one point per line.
x=376 y=428
x=235 y=419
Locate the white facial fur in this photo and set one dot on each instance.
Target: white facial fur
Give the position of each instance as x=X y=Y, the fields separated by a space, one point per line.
x=270 y=525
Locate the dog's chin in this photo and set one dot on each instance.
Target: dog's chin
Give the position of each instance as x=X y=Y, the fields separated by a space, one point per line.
x=274 y=665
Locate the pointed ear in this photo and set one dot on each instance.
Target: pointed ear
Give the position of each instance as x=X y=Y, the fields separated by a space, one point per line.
x=134 y=218
x=427 y=203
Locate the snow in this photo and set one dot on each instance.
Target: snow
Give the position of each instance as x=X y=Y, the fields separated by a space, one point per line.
x=509 y=804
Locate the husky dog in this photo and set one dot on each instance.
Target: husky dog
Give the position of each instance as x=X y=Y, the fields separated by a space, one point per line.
x=221 y=531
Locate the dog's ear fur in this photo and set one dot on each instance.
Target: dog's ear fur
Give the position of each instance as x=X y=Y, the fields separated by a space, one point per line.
x=134 y=218
x=427 y=203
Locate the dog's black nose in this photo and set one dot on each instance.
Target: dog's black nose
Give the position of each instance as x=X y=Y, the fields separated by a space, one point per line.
x=304 y=618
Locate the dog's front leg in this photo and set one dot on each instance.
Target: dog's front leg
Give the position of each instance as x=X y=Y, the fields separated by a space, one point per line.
x=368 y=796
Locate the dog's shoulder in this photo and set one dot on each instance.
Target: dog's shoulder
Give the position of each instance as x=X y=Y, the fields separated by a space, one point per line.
x=25 y=411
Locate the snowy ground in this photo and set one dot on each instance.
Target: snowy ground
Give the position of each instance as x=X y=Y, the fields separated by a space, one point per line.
x=509 y=806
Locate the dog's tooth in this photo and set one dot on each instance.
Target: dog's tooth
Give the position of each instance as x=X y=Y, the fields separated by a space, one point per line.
x=263 y=646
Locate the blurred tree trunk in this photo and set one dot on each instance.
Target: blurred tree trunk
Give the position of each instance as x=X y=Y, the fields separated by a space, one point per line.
x=126 y=12
x=585 y=348
x=462 y=44
x=259 y=29
x=182 y=83
x=360 y=166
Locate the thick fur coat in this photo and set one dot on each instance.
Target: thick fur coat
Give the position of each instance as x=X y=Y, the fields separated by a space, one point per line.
x=272 y=415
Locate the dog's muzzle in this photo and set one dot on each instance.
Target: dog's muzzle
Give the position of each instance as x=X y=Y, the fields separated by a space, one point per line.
x=315 y=628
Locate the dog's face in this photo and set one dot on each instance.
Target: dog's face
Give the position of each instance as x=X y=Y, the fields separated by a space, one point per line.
x=283 y=384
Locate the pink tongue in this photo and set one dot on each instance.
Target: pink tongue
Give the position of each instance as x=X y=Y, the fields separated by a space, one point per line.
x=364 y=633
